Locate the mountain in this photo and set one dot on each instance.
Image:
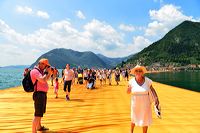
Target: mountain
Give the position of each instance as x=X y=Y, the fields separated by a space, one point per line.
x=112 y=61
x=60 y=57
x=16 y=66
x=179 y=47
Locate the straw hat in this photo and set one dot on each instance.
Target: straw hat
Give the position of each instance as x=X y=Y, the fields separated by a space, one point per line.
x=138 y=67
x=44 y=61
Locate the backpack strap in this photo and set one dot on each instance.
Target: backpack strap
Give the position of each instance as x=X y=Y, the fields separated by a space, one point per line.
x=35 y=89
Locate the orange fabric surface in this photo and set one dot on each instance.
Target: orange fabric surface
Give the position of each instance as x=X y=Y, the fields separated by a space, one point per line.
x=102 y=110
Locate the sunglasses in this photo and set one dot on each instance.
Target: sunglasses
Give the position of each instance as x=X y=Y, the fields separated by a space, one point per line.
x=138 y=71
x=46 y=66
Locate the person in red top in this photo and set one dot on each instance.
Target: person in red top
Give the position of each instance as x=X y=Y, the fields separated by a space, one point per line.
x=40 y=74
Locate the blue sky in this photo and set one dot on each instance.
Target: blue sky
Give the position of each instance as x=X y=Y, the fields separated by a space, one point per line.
x=115 y=28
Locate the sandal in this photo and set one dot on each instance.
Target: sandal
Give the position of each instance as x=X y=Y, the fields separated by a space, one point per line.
x=43 y=128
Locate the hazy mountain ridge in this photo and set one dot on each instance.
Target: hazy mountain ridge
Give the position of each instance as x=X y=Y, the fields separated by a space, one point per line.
x=60 y=57
x=112 y=61
x=16 y=66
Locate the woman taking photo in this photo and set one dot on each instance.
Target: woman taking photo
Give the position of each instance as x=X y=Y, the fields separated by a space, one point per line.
x=139 y=87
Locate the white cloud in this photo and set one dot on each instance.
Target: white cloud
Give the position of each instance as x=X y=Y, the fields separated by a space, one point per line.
x=103 y=31
x=42 y=14
x=96 y=36
x=63 y=25
x=139 y=43
x=164 y=19
x=24 y=10
x=80 y=15
x=14 y=55
x=168 y=13
x=29 y=11
x=156 y=28
x=128 y=28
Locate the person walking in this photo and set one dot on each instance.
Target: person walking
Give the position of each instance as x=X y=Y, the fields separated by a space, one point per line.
x=117 y=75
x=126 y=75
x=39 y=75
x=54 y=75
x=109 y=76
x=68 y=77
x=85 y=75
x=139 y=88
x=56 y=87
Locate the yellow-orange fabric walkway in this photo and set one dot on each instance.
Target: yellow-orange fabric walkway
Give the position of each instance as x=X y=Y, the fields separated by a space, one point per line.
x=102 y=110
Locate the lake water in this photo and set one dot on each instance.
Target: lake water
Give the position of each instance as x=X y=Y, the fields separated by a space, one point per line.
x=188 y=80
x=185 y=79
x=11 y=77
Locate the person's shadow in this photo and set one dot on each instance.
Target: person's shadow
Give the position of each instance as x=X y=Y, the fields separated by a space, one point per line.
x=49 y=131
x=73 y=99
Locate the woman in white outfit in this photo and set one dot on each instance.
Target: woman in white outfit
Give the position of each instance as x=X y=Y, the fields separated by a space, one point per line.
x=139 y=87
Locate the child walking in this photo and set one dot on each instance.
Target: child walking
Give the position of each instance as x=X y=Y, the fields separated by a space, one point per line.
x=56 y=84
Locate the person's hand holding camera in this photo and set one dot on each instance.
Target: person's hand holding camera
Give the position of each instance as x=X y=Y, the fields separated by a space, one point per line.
x=48 y=71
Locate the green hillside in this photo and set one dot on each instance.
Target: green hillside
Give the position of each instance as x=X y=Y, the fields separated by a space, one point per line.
x=179 y=47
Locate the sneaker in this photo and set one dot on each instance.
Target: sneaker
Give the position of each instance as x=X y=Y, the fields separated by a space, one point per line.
x=43 y=128
x=67 y=98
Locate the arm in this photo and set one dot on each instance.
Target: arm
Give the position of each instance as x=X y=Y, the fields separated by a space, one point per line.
x=155 y=95
x=129 y=89
x=72 y=73
x=63 y=77
x=57 y=73
x=45 y=77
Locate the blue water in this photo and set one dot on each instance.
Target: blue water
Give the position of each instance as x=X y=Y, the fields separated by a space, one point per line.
x=11 y=77
x=189 y=80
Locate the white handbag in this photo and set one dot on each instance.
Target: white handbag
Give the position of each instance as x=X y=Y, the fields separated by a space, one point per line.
x=157 y=110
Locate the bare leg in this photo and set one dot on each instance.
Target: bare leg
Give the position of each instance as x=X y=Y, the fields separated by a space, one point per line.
x=132 y=127
x=145 y=129
x=36 y=124
x=67 y=93
x=85 y=82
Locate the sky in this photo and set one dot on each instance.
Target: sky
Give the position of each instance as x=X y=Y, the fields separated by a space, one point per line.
x=114 y=28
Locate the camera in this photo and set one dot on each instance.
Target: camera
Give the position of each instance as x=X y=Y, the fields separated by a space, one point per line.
x=50 y=71
x=50 y=67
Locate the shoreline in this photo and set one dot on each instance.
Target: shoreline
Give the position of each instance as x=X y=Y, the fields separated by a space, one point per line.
x=11 y=87
x=130 y=76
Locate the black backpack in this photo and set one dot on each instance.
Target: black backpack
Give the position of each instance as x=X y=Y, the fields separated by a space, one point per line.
x=27 y=82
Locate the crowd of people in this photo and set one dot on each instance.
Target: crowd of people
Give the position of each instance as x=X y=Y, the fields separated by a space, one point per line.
x=89 y=77
x=86 y=76
x=139 y=87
